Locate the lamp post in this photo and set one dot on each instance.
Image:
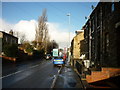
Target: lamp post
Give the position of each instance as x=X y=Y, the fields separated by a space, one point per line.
x=69 y=54
x=69 y=26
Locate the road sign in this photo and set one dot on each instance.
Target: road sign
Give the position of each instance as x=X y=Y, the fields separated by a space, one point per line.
x=55 y=52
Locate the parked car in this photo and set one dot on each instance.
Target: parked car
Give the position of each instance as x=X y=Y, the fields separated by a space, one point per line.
x=48 y=57
x=58 y=61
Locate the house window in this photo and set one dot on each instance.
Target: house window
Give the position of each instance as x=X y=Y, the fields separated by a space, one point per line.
x=112 y=7
x=15 y=41
x=6 y=39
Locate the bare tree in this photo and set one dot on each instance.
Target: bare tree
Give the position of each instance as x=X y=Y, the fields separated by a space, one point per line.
x=42 y=36
x=21 y=36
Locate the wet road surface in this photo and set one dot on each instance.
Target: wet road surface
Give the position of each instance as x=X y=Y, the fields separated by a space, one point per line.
x=68 y=79
x=39 y=75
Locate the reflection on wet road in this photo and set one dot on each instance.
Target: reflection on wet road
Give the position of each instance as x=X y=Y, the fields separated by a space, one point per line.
x=68 y=79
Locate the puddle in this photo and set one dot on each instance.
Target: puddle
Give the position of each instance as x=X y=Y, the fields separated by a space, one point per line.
x=72 y=84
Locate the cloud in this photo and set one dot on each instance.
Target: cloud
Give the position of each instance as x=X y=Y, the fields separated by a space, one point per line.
x=4 y=26
x=23 y=27
x=27 y=28
x=59 y=35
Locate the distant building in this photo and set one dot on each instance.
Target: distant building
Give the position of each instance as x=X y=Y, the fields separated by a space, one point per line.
x=76 y=45
x=7 y=39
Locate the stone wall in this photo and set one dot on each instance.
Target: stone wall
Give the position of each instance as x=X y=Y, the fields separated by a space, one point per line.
x=105 y=73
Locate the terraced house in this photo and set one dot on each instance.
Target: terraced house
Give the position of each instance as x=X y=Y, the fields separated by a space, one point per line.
x=8 y=42
x=76 y=46
x=102 y=35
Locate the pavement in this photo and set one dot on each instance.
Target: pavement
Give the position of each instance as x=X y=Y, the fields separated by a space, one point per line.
x=68 y=78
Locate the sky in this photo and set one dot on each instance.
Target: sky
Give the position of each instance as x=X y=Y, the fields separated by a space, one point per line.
x=23 y=16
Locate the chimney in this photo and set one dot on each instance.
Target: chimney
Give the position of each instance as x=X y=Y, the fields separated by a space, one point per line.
x=11 y=32
x=79 y=31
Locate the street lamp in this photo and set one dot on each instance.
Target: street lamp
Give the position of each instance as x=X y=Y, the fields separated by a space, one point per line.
x=69 y=54
x=69 y=25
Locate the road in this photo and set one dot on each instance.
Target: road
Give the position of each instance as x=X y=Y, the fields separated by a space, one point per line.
x=38 y=74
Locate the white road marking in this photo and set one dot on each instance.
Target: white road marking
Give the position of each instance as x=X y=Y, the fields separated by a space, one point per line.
x=19 y=71
x=11 y=74
x=55 y=79
x=34 y=66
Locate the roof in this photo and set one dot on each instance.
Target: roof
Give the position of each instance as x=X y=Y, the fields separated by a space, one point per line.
x=8 y=34
x=79 y=31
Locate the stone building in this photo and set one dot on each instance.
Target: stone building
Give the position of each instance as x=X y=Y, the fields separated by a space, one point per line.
x=102 y=35
x=75 y=46
x=7 y=39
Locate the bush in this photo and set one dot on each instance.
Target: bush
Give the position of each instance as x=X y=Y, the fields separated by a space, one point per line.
x=29 y=49
x=10 y=50
x=38 y=53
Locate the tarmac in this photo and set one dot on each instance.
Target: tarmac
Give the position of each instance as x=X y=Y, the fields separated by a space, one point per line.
x=69 y=78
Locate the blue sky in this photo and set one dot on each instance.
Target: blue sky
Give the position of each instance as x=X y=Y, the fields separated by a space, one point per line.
x=14 y=12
